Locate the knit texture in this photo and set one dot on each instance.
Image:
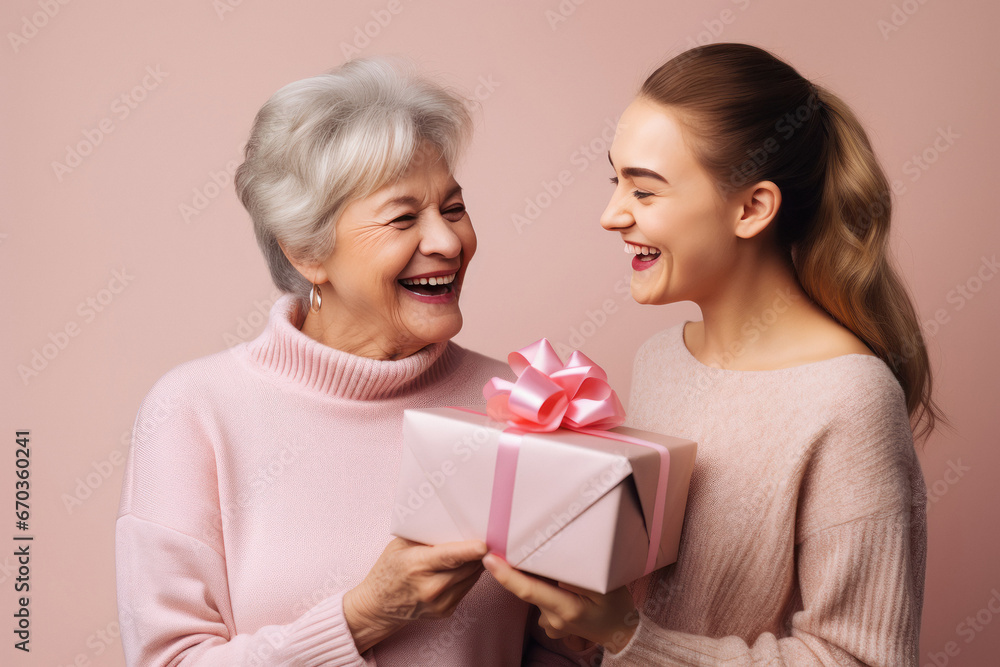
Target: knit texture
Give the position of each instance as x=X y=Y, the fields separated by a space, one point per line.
x=259 y=488
x=804 y=540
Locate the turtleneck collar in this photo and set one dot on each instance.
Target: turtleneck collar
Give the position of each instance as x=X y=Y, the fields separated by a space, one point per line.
x=283 y=349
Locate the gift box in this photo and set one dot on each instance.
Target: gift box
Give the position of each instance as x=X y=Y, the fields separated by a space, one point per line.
x=546 y=477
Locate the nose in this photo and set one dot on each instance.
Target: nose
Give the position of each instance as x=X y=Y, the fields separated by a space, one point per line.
x=616 y=216
x=438 y=237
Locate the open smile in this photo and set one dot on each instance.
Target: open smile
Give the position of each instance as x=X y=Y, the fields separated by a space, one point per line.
x=645 y=256
x=437 y=287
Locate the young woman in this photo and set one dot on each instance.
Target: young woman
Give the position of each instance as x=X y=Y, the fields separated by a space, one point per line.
x=745 y=188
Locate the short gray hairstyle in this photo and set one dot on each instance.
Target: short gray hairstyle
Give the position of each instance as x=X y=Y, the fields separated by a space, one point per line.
x=320 y=143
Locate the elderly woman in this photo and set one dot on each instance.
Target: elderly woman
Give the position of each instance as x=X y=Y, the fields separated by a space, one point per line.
x=254 y=516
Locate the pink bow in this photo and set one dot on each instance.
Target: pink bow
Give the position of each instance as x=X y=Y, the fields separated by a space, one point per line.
x=549 y=394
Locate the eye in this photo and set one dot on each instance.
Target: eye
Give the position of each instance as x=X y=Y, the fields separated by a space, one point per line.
x=403 y=221
x=614 y=180
x=639 y=194
x=454 y=213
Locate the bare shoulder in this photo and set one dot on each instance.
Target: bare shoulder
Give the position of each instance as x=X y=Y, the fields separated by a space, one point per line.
x=814 y=339
x=828 y=338
x=810 y=338
x=837 y=340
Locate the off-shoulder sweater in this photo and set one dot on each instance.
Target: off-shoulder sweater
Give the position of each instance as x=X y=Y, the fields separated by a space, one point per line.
x=804 y=540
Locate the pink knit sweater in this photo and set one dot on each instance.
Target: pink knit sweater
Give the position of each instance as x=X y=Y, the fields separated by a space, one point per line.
x=259 y=489
x=804 y=541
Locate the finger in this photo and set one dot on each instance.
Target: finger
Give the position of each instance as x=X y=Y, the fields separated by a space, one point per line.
x=451 y=597
x=513 y=580
x=459 y=590
x=550 y=582
x=582 y=592
x=497 y=566
x=400 y=543
x=545 y=624
x=528 y=588
x=445 y=580
x=451 y=555
x=468 y=571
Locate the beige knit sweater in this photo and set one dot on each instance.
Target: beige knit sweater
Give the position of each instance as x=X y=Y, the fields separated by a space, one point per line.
x=804 y=541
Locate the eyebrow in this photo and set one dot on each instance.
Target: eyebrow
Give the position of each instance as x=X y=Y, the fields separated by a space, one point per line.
x=638 y=172
x=405 y=200
x=409 y=200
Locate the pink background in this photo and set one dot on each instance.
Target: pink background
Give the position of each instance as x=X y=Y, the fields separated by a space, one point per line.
x=549 y=90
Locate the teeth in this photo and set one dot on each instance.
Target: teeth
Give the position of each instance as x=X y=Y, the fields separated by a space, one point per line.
x=438 y=280
x=640 y=250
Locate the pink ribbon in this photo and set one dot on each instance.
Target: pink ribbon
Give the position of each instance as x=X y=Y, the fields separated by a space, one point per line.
x=498 y=525
x=656 y=530
x=548 y=395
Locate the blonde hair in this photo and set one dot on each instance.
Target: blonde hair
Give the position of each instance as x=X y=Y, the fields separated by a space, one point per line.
x=322 y=142
x=752 y=118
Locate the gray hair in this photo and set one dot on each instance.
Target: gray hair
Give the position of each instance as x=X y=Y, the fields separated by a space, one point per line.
x=320 y=143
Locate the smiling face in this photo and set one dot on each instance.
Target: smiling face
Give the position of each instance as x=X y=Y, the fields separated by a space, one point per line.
x=667 y=209
x=397 y=266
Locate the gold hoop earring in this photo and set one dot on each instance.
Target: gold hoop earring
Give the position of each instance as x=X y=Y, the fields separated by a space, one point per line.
x=315 y=298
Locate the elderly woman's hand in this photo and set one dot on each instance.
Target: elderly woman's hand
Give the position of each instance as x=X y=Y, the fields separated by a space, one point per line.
x=410 y=581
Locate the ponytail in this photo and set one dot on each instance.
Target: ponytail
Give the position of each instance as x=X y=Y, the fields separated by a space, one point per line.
x=843 y=262
x=740 y=102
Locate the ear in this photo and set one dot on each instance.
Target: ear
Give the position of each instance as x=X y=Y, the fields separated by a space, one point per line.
x=759 y=206
x=314 y=273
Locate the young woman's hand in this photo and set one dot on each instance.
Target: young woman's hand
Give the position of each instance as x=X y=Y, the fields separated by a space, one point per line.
x=410 y=581
x=570 y=613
